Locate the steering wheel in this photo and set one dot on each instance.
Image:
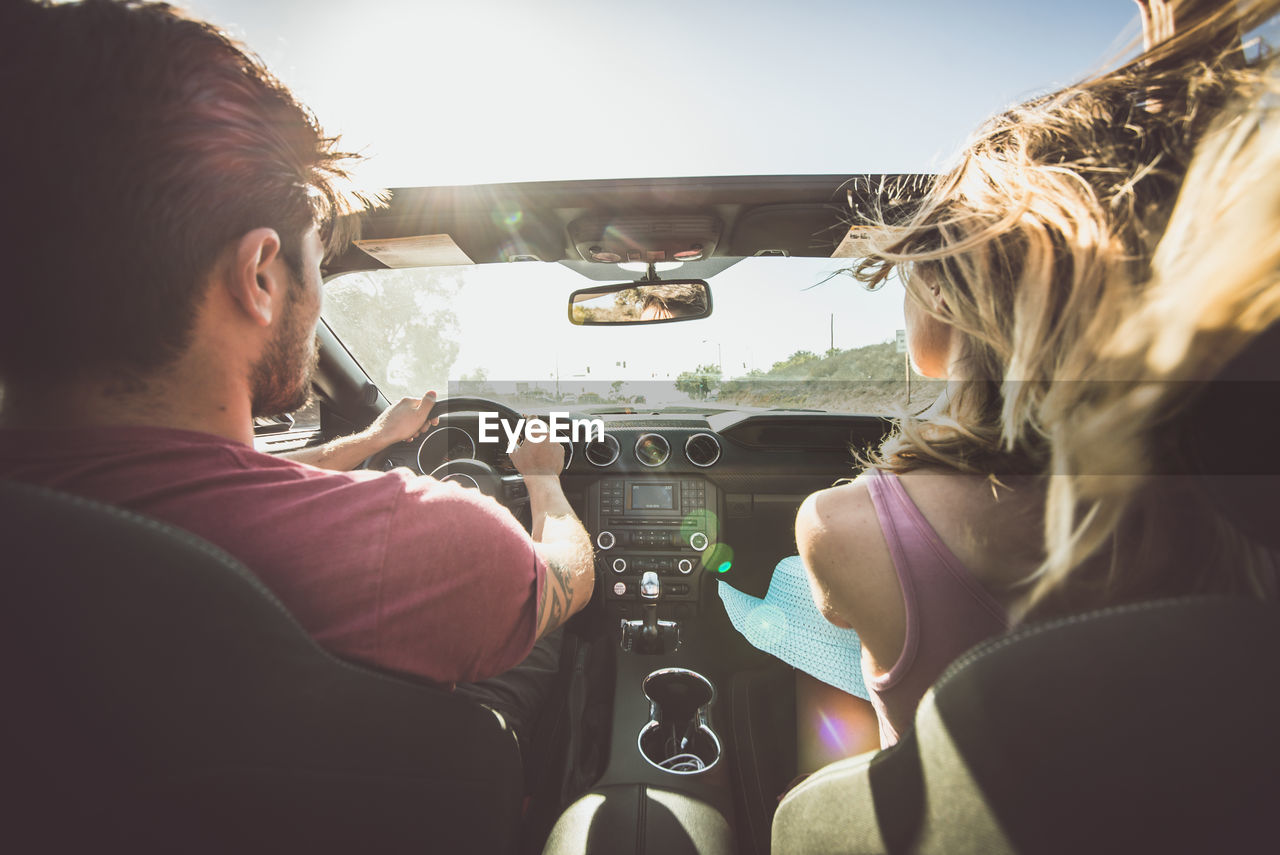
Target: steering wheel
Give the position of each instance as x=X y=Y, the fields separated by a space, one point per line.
x=507 y=489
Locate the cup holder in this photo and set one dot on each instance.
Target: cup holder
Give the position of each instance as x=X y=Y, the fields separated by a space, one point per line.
x=678 y=738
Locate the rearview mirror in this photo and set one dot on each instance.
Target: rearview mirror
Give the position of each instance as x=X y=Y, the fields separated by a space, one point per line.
x=641 y=302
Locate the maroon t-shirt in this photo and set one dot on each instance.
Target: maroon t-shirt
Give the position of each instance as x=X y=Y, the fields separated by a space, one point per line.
x=389 y=568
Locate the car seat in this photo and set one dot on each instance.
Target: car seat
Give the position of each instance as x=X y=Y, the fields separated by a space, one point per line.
x=158 y=698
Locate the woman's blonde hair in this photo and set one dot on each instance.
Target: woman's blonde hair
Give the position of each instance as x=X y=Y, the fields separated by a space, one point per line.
x=1124 y=519
x=1053 y=204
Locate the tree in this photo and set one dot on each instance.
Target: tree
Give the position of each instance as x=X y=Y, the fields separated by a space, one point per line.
x=700 y=382
x=476 y=384
x=794 y=365
x=399 y=324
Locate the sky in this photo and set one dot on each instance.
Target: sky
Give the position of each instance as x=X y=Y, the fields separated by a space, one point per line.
x=529 y=90
x=512 y=90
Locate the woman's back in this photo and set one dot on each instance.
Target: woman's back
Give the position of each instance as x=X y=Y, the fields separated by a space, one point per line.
x=923 y=566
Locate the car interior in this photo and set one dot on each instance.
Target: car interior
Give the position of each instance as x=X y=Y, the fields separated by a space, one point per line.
x=215 y=724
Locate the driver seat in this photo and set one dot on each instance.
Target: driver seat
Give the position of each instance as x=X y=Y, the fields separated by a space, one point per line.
x=159 y=698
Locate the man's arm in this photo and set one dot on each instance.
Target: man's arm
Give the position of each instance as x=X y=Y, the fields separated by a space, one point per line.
x=402 y=421
x=559 y=537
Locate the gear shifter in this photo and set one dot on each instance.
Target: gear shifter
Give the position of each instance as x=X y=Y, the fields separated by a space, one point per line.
x=648 y=635
x=650 y=640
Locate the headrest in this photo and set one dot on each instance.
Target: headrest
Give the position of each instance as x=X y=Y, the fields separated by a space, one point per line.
x=1231 y=439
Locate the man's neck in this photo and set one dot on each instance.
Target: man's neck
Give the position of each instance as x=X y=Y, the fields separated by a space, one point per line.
x=212 y=403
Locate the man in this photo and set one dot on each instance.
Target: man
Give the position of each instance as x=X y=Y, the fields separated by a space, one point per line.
x=172 y=207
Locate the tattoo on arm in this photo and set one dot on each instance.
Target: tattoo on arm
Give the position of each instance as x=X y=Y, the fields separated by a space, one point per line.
x=557 y=597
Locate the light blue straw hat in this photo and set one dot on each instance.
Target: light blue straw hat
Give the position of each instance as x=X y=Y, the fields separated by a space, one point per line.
x=788 y=624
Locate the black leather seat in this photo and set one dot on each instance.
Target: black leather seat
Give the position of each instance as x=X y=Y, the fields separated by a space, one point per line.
x=1152 y=727
x=1144 y=728
x=158 y=698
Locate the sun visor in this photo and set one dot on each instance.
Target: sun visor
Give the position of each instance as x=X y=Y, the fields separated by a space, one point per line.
x=803 y=229
x=416 y=251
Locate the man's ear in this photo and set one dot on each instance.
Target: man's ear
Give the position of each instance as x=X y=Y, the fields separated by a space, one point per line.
x=257 y=280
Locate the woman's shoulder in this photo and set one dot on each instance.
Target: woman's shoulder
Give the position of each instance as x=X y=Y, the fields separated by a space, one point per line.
x=855 y=584
x=838 y=512
x=837 y=530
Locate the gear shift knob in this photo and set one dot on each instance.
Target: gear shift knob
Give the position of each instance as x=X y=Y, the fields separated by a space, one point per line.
x=649 y=586
x=650 y=635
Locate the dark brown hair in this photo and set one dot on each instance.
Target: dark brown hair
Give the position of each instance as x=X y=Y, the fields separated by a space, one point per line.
x=139 y=144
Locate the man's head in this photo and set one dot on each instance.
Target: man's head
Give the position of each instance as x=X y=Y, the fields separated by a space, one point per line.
x=142 y=148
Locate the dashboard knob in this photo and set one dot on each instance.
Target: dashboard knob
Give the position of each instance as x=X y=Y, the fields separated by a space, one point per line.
x=606 y=540
x=698 y=541
x=619 y=565
x=685 y=566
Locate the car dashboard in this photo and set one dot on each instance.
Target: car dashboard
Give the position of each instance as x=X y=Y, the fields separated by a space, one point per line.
x=689 y=498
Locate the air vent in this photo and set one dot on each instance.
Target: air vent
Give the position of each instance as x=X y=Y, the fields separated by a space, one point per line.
x=652 y=449
x=702 y=449
x=602 y=452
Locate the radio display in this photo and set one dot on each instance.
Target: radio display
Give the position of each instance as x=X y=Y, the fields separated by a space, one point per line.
x=653 y=497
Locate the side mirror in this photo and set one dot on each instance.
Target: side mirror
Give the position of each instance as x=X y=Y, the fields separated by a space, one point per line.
x=641 y=303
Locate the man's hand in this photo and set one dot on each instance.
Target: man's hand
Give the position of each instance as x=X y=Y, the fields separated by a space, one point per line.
x=404 y=420
x=538 y=457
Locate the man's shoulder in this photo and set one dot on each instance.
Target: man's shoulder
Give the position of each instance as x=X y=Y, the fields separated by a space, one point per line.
x=152 y=468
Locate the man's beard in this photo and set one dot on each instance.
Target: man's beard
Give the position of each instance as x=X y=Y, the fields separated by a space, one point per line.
x=281 y=378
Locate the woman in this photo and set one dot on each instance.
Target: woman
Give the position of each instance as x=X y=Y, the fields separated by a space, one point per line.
x=1018 y=266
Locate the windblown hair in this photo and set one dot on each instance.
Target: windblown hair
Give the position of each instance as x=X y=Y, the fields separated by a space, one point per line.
x=1126 y=519
x=139 y=144
x=1053 y=205
x=676 y=300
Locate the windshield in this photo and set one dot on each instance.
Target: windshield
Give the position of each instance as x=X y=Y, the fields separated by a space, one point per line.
x=789 y=333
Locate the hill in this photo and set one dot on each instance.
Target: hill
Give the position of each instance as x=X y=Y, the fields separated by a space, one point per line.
x=868 y=379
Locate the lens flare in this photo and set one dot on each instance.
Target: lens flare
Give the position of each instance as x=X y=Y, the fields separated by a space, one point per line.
x=833 y=732
x=719 y=556
x=765 y=626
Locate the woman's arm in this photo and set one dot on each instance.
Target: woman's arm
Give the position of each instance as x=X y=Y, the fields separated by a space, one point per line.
x=851 y=573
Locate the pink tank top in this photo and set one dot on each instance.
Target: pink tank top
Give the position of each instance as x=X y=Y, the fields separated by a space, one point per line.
x=947 y=609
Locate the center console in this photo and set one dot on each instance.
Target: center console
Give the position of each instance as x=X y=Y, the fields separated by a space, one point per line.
x=666 y=787
x=665 y=526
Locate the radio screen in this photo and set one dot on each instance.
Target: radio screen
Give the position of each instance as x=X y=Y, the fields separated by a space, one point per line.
x=652 y=497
